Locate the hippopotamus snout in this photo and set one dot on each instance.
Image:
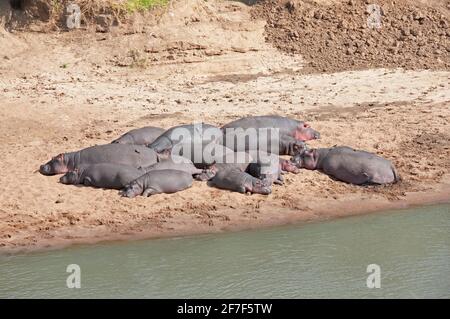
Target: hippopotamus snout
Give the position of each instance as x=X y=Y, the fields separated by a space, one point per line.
x=45 y=169
x=262 y=186
x=131 y=190
x=316 y=135
x=306 y=133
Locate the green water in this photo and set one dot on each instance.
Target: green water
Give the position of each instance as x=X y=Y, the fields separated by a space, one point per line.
x=326 y=259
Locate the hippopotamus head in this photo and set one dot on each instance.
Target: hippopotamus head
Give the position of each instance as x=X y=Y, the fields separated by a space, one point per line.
x=307 y=159
x=288 y=166
x=131 y=190
x=305 y=132
x=56 y=165
x=261 y=186
x=70 y=178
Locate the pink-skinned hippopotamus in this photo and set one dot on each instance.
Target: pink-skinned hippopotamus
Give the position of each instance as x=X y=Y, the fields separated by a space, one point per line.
x=233 y=179
x=140 y=136
x=125 y=154
x=158 y=181
x=198 y=133
x=103 y=175
x=268 y=133
x=348 y=165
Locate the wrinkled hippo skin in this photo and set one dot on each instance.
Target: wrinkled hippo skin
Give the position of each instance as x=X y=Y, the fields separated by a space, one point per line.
x=104 y=175
x=158 y=181
x=235 y=180
x=349 y=165
x=140 y=136
x=125 y=154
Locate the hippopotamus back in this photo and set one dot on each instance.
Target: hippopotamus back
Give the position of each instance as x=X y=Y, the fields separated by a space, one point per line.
x=125 y=154
x=140 y=136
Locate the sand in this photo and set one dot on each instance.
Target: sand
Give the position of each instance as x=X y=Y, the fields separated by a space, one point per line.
x=204 y=61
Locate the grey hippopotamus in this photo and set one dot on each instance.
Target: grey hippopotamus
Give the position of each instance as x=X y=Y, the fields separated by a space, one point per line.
x=199 y=133
x=254 y=140
x=157 y=182
x=140 y=136
x=349 y=165
x=125 y=154
x=270 y=167
x=177 y=163
x=254 y=133
x=238 y=160
x=297 y=129
x=235 y=180
x=104 y=175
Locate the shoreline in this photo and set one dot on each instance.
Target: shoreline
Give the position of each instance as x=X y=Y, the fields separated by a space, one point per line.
x=440 y=194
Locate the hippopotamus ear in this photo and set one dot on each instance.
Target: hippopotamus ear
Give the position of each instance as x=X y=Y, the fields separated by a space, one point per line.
x=59 y=157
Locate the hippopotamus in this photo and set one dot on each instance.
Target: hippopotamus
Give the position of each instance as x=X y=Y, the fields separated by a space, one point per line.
x=254 y=140
x=297 y=129
x=125 y=154
x=234 y=179
x=269 y=133
x=271 y=167
x=104 y=175
x=348 y=165
x=140 y=136
x=177 y=163
x=158 y=181
x=238 y=160
x=196 y=133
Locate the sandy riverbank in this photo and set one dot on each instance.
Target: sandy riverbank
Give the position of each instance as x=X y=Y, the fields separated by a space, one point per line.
x=64 y=91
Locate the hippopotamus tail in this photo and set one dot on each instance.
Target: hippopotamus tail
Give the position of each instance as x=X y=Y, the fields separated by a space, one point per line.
x=397 y=177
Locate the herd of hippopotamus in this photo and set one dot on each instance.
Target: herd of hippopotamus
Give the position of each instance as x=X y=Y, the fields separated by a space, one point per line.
x=240 y=156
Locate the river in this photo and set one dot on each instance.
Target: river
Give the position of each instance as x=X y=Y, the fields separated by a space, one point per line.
x=323 y=259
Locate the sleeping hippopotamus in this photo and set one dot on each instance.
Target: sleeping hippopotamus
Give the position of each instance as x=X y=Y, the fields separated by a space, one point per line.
x=104 y=175
x=140 y=136
x=177 y=163
x=238 y=160
x=198 y=133
x=269 y=133
x=348 y=165
x=125 y=154
x=235 y=180
x=271 y=167
x=157 y=182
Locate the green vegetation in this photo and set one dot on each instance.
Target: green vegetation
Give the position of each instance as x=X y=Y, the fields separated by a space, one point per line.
x=135 y=5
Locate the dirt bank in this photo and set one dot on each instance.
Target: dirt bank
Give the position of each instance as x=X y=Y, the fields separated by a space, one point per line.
x=203 y=61
x=344 y=35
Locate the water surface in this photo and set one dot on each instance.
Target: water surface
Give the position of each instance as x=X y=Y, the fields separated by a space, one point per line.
x=326 y=259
